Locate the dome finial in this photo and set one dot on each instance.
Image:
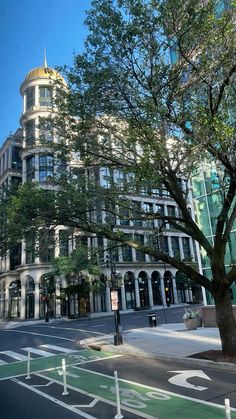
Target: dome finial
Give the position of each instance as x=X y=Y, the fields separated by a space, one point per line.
x=45 y=64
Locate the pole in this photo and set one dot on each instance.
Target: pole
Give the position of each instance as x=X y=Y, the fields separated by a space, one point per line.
x=118 y=340
x=65 y=392
x=28 y=367
x=118 y=415
x=227 y=409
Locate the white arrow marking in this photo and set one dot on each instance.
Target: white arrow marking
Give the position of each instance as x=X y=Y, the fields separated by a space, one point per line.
x=181 y=378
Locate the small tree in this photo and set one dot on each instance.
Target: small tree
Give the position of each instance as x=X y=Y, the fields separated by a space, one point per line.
x=78 y=269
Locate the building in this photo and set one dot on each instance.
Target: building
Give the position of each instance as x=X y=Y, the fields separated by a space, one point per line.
x=208 y=196
x=26 y=288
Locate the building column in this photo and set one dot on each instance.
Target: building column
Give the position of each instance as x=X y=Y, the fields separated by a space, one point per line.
x=91 y=302
x=108 y=299
x=181 y=250
x=36 y=300
x=22 y=305
x=150 y=293
x=6 y=301
x=137 y=295
x=23 y=252
x=123 y=299
x=58 y=301
x=163 y=294
x=176 y=301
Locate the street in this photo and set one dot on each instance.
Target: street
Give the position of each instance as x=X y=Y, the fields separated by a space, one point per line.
x=148 y=388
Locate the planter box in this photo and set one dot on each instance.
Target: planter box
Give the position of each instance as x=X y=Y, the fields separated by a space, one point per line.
x=192 y=324
x=208 y=315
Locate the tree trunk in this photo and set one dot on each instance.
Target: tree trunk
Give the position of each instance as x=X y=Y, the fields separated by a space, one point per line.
x=225 y=321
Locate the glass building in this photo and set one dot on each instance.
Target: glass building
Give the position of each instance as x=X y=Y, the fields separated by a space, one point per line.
x=208 y=194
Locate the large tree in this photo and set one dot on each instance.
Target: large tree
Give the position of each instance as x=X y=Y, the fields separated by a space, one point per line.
x=152 y=96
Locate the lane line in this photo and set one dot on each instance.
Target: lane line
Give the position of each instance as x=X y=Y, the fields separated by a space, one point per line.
x=15 y=355
x=39 y=334
x=98 y=325
x=53 y=399
x=73 y=328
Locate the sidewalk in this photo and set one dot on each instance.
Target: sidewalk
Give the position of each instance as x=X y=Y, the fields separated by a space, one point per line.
x=167 y=342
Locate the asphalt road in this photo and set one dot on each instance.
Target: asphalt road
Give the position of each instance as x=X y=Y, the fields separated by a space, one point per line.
x=148 y=389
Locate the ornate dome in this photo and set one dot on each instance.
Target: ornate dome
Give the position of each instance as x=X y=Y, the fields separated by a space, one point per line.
x=45 y=73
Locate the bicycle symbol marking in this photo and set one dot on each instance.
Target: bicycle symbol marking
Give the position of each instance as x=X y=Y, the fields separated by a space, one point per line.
x=132 y=398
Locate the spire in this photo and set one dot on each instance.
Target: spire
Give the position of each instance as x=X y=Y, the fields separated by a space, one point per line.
x=45 y=64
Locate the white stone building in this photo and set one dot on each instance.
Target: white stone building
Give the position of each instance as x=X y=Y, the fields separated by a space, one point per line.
x=146 y=282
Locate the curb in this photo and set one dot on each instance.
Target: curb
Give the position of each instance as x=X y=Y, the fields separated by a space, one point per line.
x=123 y=350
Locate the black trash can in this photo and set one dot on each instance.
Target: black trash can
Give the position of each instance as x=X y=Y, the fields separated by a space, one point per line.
x=152 y=319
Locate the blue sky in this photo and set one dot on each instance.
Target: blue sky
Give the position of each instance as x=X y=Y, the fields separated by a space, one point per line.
x=27 y=27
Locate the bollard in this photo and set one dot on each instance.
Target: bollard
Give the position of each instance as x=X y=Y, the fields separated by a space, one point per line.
x=227 y=409
x=65 y=392
x=28 y=367
x=118 y=415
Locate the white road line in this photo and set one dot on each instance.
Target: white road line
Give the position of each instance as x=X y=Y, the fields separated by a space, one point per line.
x=15 y=355
x=38 y=352
x=59 y=348
x=66 y=406
x=39 y=334
x=98 y=325
x=73 y=328
x=3 y=362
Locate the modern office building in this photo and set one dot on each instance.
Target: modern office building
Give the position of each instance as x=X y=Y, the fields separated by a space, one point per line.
x=208 y=196
x=26 y=288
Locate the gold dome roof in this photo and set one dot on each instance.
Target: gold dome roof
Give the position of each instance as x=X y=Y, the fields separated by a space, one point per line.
x=45 y=73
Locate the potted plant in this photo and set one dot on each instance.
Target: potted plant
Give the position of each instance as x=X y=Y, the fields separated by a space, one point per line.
x=191 y=319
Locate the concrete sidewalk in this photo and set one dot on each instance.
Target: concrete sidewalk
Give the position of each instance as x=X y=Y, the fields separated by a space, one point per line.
x=170 y=342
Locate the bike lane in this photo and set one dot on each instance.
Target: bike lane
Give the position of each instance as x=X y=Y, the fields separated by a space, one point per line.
x=152 y=403
x=19 y=368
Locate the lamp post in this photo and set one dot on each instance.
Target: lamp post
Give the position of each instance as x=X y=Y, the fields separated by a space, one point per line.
x=115 y=284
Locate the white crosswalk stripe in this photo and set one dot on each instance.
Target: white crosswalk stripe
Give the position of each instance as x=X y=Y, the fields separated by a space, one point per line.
x=59 y=348
x=14 y=355
x=38 y=352
x=34 y=351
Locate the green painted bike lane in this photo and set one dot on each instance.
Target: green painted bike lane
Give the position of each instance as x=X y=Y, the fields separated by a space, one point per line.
x=19 y=368
x=151 y=402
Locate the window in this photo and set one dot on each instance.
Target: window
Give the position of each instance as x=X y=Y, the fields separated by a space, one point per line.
x=45 y=96
x=137 y=212
x=171 y=212
x=30 y=132
x=45 y=167
x=30 y=168
x=148 y=207
x=175 y=247
x=16 y=160
x=107 y=177
x=46 y=245
x=45 y=130
x=63 y=243
x=186 y=247
x=30 y=98
x=140 y=256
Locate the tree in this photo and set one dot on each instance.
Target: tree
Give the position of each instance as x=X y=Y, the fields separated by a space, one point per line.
x=131 y=108
x=78 y=268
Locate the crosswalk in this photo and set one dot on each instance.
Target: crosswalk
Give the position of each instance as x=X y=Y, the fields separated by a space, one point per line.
x=45 y=351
